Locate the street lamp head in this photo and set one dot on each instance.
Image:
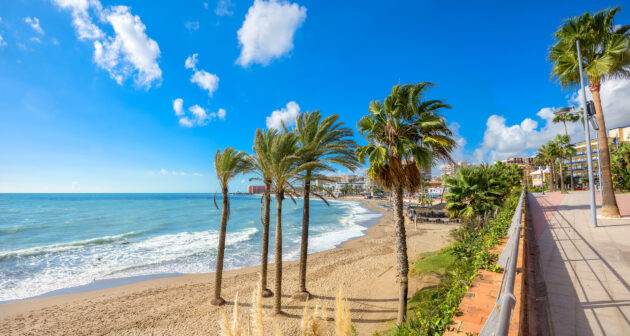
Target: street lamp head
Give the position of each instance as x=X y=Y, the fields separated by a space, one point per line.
x=562 y=110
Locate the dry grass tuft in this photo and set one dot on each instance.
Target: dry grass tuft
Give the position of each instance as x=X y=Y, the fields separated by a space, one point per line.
x=235 y=328
x=314 y=324
x=257 y=312
x=343 y=321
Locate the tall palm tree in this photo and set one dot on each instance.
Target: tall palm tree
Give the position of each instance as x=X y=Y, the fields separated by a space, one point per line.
x=541 y=161
x=283 y=168
x=563 y=118
x=323 y=142
x=405 y=135
x=226 y=165
x=605 y=51
x=473 y=192
x=260 y=162
x=548 y=153
x=561 y=142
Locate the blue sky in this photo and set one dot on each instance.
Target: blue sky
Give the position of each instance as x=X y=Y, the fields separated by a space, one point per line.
x=87 y=87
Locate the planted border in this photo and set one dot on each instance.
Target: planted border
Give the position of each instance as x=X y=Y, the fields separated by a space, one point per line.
x=432 y=309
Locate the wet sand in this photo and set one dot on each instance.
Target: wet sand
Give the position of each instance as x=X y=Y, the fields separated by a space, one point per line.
x=180 y=305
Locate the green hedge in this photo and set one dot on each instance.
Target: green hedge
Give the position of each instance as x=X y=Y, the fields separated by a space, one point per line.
x=432 y=309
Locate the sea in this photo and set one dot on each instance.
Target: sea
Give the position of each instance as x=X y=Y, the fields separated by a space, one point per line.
x=49 y=242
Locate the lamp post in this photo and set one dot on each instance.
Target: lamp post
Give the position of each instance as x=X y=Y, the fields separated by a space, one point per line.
x=587 y=131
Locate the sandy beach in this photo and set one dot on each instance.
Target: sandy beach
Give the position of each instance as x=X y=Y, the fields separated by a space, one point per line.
x=364 y=268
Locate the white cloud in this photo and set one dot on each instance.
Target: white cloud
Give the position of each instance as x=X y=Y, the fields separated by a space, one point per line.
x=35 y=39
x=502 y=141
x=206 y=81
x=199 y=113
x=221 y=114
x=75 y=185
x=81 y=18
x=268 y=30
x=129 y=52
x=34 y=23
x=192 y=25
x=205 y=5
x=223 y=7
x=176 y=173
x=2 y=42
x=191 y=61
x=184 y=121
x=286 y=114
x=615 y=95
x=178 y=107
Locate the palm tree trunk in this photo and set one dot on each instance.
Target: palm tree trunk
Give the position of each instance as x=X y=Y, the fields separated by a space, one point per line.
x=277 y=304
x=401 y=253
x=609 y=202
x=563 y=190
x=218 y=300
x=303 y=294
x=265 y=243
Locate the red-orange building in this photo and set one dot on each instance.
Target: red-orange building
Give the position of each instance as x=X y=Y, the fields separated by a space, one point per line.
x=256 y=189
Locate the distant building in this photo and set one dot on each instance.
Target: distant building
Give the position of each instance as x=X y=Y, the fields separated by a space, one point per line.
x=426 y=174
x=451 y=169
x=619 y=134
x=256 y=189
x=338 y=184
x=526 y=161
x=537 y=177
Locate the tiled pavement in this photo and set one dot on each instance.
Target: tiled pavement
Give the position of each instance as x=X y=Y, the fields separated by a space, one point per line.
x=586 y=270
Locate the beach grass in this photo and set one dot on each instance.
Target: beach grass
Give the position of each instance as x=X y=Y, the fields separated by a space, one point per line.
x=434 y=262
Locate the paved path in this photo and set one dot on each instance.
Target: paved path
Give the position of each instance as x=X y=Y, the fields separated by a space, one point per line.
x=586 y=270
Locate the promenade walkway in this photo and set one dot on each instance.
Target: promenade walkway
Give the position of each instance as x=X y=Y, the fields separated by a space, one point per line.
x=586 y=270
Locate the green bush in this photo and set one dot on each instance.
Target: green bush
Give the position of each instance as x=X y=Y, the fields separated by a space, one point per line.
x=432 y=309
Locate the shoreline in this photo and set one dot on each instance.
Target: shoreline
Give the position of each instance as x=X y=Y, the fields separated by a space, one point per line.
x=115 y=282
x=100 y=284
x=364 y=267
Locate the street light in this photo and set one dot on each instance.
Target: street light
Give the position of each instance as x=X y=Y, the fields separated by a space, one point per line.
x=587 y=131
x=588 y=117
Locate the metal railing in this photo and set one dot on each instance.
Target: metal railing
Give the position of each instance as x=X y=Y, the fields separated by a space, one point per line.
x=499 y=321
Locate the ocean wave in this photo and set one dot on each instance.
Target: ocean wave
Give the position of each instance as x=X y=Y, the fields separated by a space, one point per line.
x=39 y=250
x=12 y=230
x=185 y=252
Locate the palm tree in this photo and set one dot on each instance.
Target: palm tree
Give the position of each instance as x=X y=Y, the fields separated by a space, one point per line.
x=283 y=169
x=605 y=51
x=475 y=191
x=226 y=165
x=405 y=135
x=261 y=166
x=561 y=142
x=323 y=142
x=563 y=118
x=548 y=153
